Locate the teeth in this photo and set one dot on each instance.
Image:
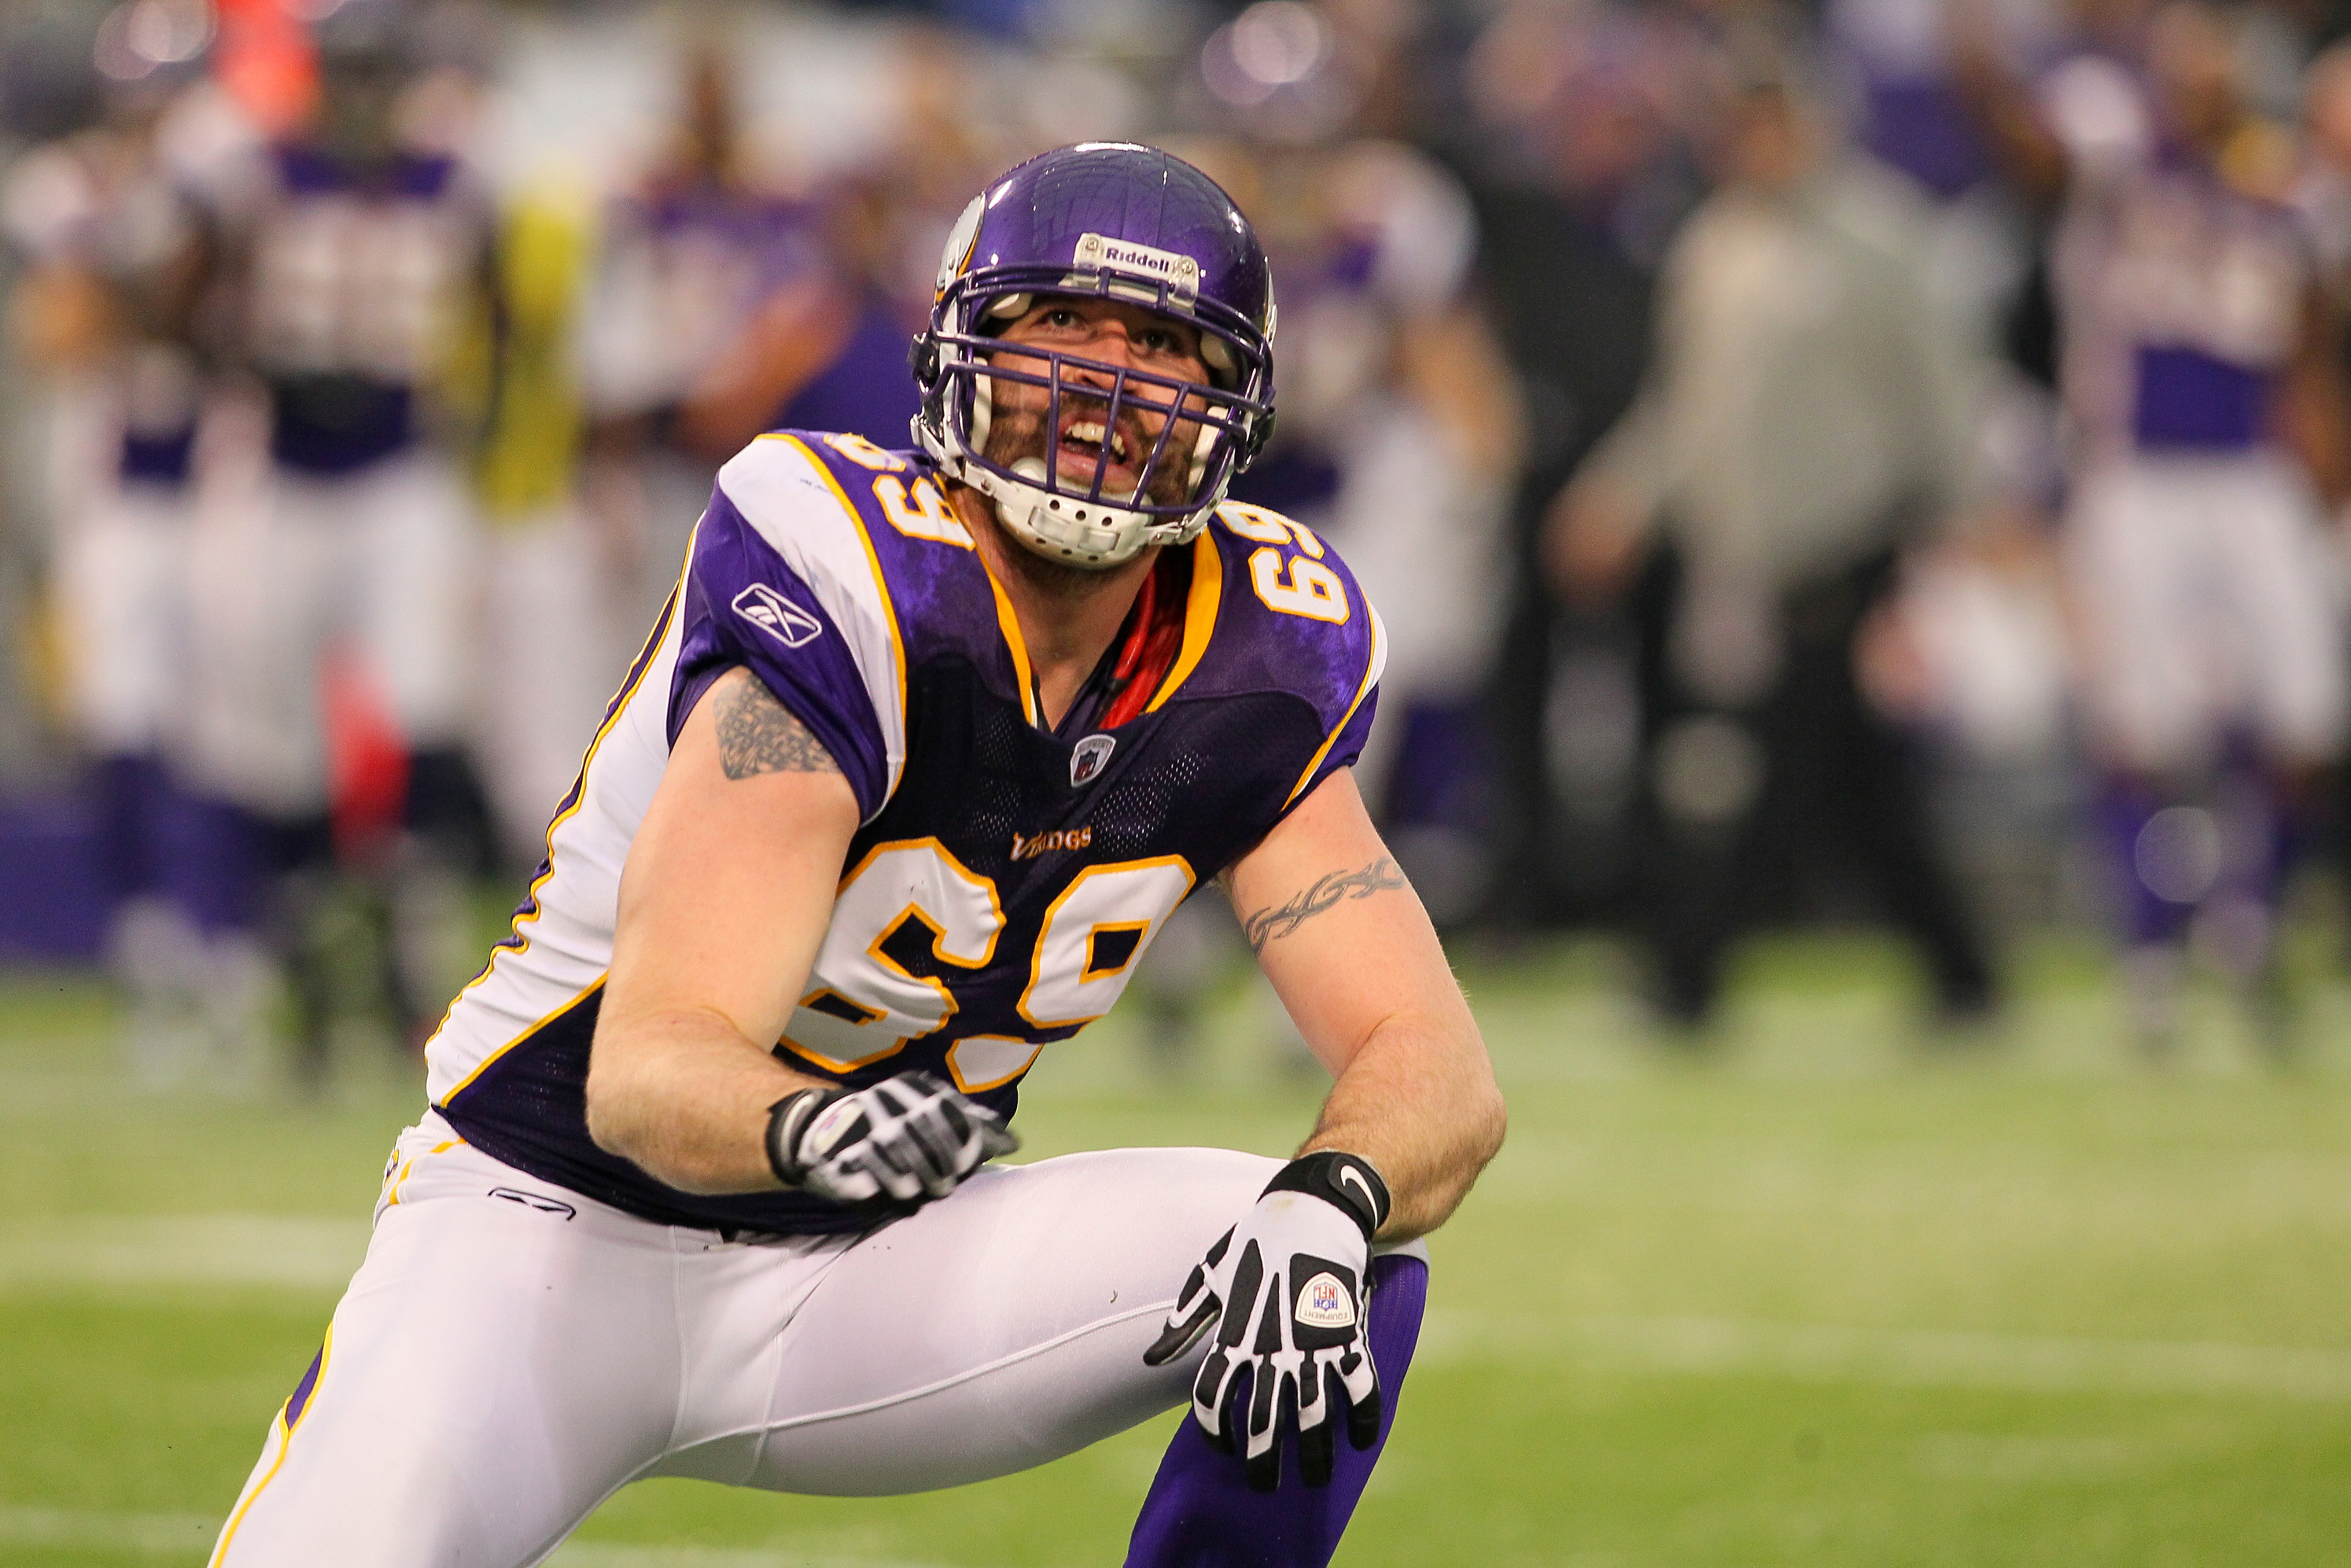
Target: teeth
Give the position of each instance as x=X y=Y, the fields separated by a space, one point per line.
x=1092 y=433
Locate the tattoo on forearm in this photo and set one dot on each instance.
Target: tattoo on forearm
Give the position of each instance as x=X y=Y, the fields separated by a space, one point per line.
x=757 y=735
x=1267 y=923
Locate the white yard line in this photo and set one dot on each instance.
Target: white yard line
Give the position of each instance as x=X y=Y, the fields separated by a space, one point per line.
x=186 y=1536
x=1816 y=1354
x=194 y=1250
x=2005 y=1457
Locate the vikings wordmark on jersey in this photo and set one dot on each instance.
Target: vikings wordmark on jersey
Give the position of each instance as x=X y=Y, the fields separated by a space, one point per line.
x=1005 y=877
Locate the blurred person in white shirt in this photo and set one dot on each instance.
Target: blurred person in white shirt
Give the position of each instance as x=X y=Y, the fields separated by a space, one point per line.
x=1809 y=413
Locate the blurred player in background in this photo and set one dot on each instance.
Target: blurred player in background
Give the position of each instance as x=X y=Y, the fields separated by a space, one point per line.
x=109 y=306
x=1809 y=413
x=1402 y=427
x=703 y=257
x=555 y=584
x=826 y=349
x=693 y=1127
x=2322 y=196
x=1406 y=419
x=1590 y=119
x=353 y=262
x=2203 y=389
x=1399 y=437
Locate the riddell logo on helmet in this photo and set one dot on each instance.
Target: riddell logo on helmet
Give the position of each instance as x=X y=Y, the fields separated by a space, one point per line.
x=1182 y=273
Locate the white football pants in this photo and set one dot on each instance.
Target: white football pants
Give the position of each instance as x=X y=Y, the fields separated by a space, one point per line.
x=549 y=633
x=385 y=562
x=511 y=1353
x=2208 y=599
x=121 y=585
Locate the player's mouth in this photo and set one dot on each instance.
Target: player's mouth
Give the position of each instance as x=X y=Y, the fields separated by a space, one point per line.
x=1087 y=445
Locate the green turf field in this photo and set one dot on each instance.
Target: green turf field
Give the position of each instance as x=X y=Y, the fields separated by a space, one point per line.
x=1823 y=1294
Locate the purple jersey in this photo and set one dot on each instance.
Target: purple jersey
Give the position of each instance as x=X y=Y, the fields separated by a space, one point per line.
x=683 y=269
x=2181 y=295
x=356 y=286
x=106 y=204
x=865 y=388
x=1005 y=877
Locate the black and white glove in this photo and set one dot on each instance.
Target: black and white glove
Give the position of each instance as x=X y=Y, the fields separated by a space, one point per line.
x=1285 y=1289
x=904 y=1140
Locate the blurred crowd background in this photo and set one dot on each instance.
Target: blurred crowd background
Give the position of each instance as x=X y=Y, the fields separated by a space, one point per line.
x=1880 y=460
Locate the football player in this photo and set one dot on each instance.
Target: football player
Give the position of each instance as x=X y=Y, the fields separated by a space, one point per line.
x=2203 y=396
x=922 y=753
x=105 y=314
x=699 y=264
x=351 y=256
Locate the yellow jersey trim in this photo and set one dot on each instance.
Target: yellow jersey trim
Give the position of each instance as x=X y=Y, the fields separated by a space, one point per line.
x=890 y=927
x=970 y=1086
x=1200 y=609
x=1362 y=690
x=408 y=1168
x=1037 y=952
x=1010 y=624
x=482 y=1066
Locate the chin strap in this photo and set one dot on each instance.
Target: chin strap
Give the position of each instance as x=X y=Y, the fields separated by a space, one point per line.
x=1029 y=515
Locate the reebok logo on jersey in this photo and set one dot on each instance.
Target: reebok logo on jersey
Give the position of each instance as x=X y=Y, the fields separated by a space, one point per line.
x=777 y=616
x=537 y=1200
x=1324 y=1303
x=1029 y=848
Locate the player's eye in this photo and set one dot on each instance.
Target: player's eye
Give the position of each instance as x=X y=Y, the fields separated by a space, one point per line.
x=1162 y=341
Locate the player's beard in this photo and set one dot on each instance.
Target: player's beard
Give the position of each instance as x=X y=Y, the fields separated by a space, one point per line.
x=1054 y=579
x=1017 y=432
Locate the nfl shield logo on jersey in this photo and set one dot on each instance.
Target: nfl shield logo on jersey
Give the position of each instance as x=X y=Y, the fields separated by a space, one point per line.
x=1087 y=762
x=779 y=617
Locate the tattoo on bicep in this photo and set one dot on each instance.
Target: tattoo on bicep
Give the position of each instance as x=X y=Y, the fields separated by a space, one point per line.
x=1267 y=923
x=757 y=735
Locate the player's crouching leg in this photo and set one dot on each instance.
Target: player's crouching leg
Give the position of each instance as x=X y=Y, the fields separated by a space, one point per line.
x=445 y=1420
x=1004 y=1326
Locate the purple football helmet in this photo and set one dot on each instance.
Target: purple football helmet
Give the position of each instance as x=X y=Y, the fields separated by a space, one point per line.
x=1111 y=220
